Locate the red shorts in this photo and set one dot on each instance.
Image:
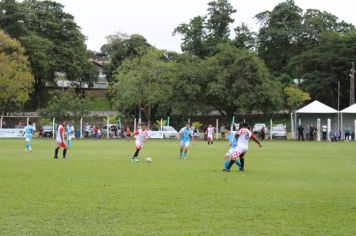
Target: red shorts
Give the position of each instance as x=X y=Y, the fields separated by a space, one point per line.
x=63 y=145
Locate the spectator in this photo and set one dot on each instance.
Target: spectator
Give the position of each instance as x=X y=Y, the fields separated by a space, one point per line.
x=263 y=133
x=347 y=134
x=128 y=133
x=300 y=132
x=222 y=132
x=95 y=131
x=311 y=132
x=324 y=130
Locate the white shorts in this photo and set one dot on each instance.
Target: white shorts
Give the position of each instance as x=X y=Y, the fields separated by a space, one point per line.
x=230 y=152
x=28 y=139
x=139 y=145
x=238 y=151
x=184 y=144
x=210 y=136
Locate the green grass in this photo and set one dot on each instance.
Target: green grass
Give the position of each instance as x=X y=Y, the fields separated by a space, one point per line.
x=100 y=104
x=288 y=188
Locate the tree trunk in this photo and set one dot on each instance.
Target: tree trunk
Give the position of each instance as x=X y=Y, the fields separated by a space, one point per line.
x=38 y=93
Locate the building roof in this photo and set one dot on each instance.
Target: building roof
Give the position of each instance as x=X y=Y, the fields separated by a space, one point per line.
x=350 y=109
x=317 y=107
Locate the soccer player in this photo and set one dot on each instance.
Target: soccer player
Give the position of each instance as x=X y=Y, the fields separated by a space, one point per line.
x=210 y=134
x=60 y=141
x=243 y=135
x=185 y=134
x=70 y=134
x=141 y=138
x=29 y=129
x=232 y=143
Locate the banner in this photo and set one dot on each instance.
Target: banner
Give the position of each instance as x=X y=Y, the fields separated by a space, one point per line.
x=11 y=133
x=155 y=134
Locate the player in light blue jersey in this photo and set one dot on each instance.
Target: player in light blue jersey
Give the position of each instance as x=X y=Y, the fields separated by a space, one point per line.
x=29 y=129
x=70 y=134
x=231 y=137
x=184 y=135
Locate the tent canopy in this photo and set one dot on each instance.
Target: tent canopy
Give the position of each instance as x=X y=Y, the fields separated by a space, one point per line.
x=350 y=109
x=317 y=107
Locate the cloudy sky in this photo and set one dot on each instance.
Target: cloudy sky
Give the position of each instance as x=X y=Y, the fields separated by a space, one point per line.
x=156 y=19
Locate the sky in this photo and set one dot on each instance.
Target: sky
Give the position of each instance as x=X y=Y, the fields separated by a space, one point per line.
x=156 y=19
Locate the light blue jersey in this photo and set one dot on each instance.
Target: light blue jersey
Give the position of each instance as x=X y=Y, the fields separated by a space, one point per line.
x=232 y=139
x=185 y=134
x=28 y=131
x=70 y=131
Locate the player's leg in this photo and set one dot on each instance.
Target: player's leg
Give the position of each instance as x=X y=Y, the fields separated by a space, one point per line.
x=236 y=153
x=181 y=150
x=56 y=152
x=186 y=146
x=242 y=161
x=64 y=152
x=135 y=156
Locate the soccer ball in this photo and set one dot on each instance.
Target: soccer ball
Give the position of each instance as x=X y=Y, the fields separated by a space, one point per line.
x=148 y=159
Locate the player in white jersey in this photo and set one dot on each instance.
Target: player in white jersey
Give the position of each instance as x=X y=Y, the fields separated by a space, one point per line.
x=29 y=129
x=141 y=138
x=60 y=141
x=210 y=134
x=243 y=135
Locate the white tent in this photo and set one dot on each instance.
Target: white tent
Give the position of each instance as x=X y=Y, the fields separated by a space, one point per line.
x=311 y=113
x=348 y=119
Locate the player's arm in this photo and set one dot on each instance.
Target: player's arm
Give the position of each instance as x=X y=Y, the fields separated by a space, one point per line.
x=178 y=135
x=253 y=137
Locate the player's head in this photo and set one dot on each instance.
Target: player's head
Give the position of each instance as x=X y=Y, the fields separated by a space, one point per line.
x=187 y=125
x=210 y=125
x=244 y=125
x=143 y=126
x=30 y=123
x=227 y=129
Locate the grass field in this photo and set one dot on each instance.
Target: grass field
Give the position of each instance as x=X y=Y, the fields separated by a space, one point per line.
x=288 y=188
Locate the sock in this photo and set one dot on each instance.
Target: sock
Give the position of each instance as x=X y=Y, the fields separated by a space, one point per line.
x=136 y=153
x=69 y=143
x=185 y=154
x=238 y=163
x=64 y=153
x=56 y=153
x=212 y=142
x=230 y=164
x=27 y=146
x=226 y=163
x=242 y=161
x=181 y=152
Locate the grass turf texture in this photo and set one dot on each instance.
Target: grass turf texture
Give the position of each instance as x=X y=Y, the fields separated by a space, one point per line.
x=288 y=188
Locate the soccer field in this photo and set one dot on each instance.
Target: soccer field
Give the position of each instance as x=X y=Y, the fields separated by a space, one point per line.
x=288 y=188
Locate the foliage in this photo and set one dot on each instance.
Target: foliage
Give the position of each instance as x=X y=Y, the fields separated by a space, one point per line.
x=158 y=123
x=197 y=124
x=295 y=96
x=142 y=85
x=120 y=47
x=66 y=105
x=15 y=75
x=245 y=38
x=52 y=40
x=321 y=67
x=203 y=33
x=238 y=81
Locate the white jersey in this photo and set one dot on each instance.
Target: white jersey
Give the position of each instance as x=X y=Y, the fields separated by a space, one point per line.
x=210 y=131
x=244 y=136
x=60 y=134
x=141 y=136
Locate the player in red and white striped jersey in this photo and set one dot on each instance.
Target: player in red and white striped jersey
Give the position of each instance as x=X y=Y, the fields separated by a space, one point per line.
x=60 y=141
x=243 y=135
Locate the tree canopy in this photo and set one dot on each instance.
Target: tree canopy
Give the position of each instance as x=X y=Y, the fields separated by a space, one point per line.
x=15 y=75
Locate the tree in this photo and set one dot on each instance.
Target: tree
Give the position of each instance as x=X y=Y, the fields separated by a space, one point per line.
x=65 y=106
x=203 y=33
x=238 y=81
x=278 y=35
x=120 y=47
x=142 y=85
x=320 y=68
x=295 y=97
x=15 y=75
x=194 y=37
x=52 y=40
x=245 y=38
